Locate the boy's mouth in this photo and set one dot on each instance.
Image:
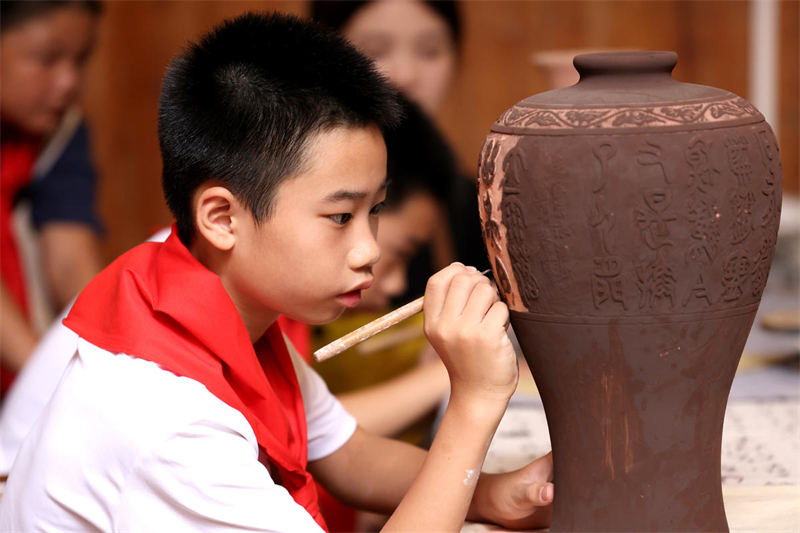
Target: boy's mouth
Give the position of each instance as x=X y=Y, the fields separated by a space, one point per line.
x=352 y=298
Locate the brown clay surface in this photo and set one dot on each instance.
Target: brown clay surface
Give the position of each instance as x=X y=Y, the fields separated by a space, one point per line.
x=635 y=414
x=631 y=222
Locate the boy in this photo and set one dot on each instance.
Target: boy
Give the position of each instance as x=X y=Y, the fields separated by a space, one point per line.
x=418 y=163
x=183 y=408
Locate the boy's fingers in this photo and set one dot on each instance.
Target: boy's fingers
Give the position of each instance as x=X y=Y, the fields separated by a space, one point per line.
x=534 y=495
x=547 y=493
x=497 y=315
x=480 y=301
x=437 y=289
x=461 y=287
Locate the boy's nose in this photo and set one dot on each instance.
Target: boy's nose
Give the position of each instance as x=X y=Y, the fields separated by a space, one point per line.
x=365 y=254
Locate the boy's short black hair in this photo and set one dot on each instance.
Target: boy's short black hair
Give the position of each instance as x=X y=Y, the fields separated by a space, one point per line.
x=418 y=159
x=241 y=105
x=16 y=12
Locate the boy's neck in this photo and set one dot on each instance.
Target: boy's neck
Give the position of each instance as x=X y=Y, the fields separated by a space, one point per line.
x=256 y=322
x=255 y=319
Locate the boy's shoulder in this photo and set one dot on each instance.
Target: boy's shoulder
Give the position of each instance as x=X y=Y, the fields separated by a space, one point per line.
x=138 y=398
x=126 y=444
x=113 y=409
x=117 y=427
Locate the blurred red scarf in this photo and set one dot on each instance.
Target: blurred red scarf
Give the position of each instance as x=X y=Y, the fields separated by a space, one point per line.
x=16 y=166
x=17 y=157
x=157 y=302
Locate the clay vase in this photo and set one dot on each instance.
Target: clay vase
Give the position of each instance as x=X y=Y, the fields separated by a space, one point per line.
x=630 y=220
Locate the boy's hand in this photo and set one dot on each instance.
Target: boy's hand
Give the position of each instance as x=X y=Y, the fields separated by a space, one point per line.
x=466 y=324
x=522 y=499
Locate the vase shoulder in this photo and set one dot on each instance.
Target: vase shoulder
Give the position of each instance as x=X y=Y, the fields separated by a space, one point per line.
x=626 y=92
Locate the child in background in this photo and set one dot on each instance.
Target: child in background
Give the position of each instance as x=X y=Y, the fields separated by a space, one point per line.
x=415 y=44
x=183 y=407
x=43 y=53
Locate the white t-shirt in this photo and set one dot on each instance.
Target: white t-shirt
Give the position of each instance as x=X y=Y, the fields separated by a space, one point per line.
x=125 y=445
x=33 y=387
x=37 y=381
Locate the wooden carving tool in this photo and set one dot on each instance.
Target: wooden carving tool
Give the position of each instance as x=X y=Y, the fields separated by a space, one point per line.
x=373 y=328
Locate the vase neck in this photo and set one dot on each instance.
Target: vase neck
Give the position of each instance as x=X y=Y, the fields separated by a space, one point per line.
x=625 y=68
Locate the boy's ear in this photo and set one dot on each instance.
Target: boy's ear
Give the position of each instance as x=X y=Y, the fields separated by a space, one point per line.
x=215 y=210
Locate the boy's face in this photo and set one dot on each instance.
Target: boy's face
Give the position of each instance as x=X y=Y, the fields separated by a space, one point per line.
x=404 y=230
x=41 y=68
x=314 y=255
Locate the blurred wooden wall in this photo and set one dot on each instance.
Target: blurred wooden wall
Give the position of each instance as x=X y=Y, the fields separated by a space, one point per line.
x=138 y=39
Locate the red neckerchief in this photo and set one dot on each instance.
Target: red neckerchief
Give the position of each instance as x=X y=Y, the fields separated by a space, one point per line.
x=16 y=165
x=299 y=335
x=157 y=302
x=17 y=157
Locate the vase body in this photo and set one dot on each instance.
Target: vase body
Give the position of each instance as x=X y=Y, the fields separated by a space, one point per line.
x=630 y=221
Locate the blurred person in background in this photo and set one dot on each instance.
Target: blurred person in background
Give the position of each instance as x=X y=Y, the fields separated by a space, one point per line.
x=415 y=44
x=44 y=160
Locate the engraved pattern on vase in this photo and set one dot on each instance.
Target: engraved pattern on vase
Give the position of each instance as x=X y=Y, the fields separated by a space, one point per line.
x=676 y=223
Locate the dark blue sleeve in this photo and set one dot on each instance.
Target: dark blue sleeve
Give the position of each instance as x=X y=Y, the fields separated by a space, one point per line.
x=67 y=192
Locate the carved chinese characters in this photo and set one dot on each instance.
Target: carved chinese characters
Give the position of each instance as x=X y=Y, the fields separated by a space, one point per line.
x=607 y=279
x=679 y=222
x=656 y=274
x=771 y=171
x=704 y=219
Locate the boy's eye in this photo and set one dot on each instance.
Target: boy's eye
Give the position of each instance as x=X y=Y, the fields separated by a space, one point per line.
x=341 y=218
x=377 y=209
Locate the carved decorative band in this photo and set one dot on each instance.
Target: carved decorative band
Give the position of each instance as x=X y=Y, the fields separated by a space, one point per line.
x=657 y=116
x=651 y=319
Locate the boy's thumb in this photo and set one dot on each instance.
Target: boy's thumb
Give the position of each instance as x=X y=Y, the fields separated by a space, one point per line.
x=537 y=494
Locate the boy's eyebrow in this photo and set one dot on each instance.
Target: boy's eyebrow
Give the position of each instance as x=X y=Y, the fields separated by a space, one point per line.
x=344 y=194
